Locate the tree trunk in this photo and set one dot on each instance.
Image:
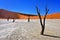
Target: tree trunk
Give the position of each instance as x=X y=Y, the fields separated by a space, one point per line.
x=28 y=18
x=42 y=30
x=13 y=20
x=43 y=27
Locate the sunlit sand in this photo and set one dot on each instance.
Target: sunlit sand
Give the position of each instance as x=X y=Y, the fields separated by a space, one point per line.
x=24 y=30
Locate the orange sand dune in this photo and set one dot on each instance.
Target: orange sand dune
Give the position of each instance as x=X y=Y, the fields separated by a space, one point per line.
x=16 y=15
x=5 y=14
x=53 y=16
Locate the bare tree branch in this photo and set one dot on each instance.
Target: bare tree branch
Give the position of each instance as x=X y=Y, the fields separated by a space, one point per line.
x=39 y=15
x=45 y=15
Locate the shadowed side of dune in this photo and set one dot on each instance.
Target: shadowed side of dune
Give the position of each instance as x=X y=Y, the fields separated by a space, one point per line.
x=8 y=14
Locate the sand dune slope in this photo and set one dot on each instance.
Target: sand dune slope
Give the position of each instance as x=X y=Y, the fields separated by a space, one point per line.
x=9 y=14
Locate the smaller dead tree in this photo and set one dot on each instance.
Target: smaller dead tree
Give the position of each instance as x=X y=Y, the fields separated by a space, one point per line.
x=28 y=18
x=13 y=20
x=42 y=24
x=8 y=18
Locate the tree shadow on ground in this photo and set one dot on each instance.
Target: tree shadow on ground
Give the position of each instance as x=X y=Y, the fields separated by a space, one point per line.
x=51 y=36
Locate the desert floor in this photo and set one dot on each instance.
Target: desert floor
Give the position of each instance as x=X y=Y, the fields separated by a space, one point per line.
x=24 y=30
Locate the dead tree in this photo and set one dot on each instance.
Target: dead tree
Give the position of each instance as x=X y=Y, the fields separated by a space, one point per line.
x=28 y=18
x=8 y=18
x=13 y=20
x=42 y=24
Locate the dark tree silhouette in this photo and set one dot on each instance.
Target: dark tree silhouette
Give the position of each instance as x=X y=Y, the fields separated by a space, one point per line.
x=42 y=24
x=13 y=20
x=28 y=18
x=8 y=18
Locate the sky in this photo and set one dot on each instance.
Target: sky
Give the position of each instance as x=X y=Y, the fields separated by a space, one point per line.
x=29 y=6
